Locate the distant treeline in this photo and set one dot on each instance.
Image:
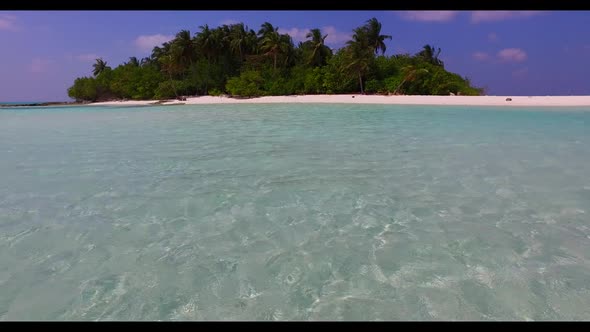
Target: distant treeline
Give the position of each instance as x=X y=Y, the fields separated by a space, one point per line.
x=235 y=60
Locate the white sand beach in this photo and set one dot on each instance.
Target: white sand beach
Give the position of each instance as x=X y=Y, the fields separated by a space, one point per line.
x=376 y=99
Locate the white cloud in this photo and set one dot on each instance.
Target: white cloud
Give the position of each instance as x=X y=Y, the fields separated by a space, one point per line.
x=229 y=22
x=90 y=57
x=39 y=65
x=481 y=56
x=295 y=33
x=429 y=15
x=492 y=36
x=148 y=42
x=8 y=22
x=505 y=55
x=335 y=37
x=512 y=55
x=500 y=15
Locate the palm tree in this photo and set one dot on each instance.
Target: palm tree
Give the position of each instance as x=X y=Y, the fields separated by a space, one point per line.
x=237 y=38
x=359 y=55
x=251 y=42
x=99 y=67
x=241 y=40
x=133 y=62
x=288 y=50
x=265 y=29
x=272 y=43
x=185 y=47
x=146 y=61
x=376 y=39
x=219 y=42
x=206 y=42
x=430 y=54
x=170 y=66
x=411 y=73
x=319 y=49
x=158 y=52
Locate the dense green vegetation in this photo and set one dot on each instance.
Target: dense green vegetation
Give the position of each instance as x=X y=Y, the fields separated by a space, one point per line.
x=236 y=60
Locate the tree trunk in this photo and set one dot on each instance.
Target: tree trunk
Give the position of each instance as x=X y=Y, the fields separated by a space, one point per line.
x=399 y=86
x=361 y=83
x=173 y=85
x=207 y=79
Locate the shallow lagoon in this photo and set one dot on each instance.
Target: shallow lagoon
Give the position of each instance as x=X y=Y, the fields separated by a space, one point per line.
x=294 y=212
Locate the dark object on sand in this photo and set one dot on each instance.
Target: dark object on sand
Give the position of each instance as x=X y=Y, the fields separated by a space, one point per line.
x=508 y=99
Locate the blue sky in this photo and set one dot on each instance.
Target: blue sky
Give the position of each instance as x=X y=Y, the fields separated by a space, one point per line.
x=507 y=52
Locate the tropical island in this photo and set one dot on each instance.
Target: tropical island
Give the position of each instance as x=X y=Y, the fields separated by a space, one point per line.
x=237 y=61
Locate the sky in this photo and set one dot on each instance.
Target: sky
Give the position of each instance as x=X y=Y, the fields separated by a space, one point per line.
x=505 y=52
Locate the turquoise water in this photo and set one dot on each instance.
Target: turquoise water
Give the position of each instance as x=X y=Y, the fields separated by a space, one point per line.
x=294 y=212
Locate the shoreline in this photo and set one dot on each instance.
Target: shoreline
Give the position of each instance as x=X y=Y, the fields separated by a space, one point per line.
x=43 y=104
x=541 y=101
x=556 y=101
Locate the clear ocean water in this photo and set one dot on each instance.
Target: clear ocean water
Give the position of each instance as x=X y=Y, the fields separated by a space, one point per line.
x=294 y=212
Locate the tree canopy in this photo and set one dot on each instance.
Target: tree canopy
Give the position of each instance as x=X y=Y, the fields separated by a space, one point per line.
x=239 y=61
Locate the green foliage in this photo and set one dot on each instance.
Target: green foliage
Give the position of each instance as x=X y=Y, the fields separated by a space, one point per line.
x=295 y=80
x=215 y=92
x=248 y=84
x=166 y=90
x=99 y=67
x=206 y=76
x=84 y=89
x=314 y=81
x=336 y=78
x=133 y=82
x=236 y=59
x=391 y=83
x=374 y=86
x=314 y=51
x=384 y=67
x=173 y=89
